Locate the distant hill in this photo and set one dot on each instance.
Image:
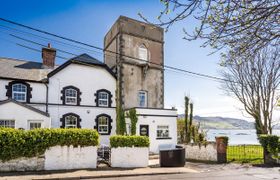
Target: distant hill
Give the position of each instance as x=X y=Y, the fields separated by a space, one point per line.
x=222 y=123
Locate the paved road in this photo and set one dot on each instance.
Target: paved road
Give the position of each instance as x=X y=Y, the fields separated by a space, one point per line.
x=217 y=172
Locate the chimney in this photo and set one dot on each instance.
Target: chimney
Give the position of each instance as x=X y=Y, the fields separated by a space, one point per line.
x=48 y=56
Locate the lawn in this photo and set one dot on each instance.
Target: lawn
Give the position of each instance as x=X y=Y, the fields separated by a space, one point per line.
x=252 y=154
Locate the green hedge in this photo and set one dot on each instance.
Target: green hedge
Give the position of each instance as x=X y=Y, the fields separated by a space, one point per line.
x=16 y=143
x=129 y=141
x=270 y=143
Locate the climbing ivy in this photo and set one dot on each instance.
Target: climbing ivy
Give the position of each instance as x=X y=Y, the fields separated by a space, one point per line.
x=133 y=119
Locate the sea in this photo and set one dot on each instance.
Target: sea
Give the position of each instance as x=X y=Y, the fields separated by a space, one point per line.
x=236 y=137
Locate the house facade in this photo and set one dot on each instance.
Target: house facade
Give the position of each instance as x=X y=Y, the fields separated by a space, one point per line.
x=82 y=92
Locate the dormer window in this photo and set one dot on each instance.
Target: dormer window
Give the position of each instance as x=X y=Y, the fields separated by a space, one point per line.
x=143 y=53
x=19 y=92
x=71 y=95
x=103 y=98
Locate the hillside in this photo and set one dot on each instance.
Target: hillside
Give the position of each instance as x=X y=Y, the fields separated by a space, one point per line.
x=222 y=123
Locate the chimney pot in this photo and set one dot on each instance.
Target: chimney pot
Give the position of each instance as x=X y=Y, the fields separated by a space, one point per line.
x=48 y=56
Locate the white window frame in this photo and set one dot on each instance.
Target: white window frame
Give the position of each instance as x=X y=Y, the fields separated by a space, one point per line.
x=145 y=93
x=8 y=125
x=19 y=92
x=103 y=125
x=143 y=53
x=71 y=125
x=163 y=135
x=103 y=100
x=68 y=98
x=35 y=121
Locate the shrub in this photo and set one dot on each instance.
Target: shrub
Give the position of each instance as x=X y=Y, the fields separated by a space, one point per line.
x=270 y=143
x=129 y=141
x=16 y=143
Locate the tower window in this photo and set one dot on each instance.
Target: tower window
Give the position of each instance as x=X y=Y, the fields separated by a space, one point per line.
x=143 y=53
x=142 y=99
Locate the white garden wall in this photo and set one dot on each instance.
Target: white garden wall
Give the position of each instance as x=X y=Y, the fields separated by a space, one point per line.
x=55 y=158
x=201 y=153
x=128 y=157
x=69 y=157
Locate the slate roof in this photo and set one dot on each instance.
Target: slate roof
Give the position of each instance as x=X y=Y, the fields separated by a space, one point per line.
x=20 y=69
x=34 y=71
x=25 y=106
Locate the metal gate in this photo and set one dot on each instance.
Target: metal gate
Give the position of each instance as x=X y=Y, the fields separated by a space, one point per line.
x=104 y=155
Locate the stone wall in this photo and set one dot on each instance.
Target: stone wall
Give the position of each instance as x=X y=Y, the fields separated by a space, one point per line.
x=55 y=158
x=23 y=164
x=202 y=153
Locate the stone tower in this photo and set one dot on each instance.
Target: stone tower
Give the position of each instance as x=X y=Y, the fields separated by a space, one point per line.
x=140 y=81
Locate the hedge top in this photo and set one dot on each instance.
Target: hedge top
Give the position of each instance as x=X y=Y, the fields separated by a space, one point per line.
x=16 y=143
x=129 y=141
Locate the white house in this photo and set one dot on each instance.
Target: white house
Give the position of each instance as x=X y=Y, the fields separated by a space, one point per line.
x=81 y=93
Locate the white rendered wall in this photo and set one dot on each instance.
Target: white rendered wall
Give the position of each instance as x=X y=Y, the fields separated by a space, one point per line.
x=22 y=115
x=88 y=79
x=201 y=153
x=68 y=157
x=128 y=157
x=153 y=118
x=87 y=115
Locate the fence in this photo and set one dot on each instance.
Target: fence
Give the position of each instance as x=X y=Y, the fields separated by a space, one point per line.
x=245 y=153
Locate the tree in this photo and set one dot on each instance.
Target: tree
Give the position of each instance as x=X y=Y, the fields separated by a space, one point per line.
x=241 y=27
x=254 y=82
x=187 y=99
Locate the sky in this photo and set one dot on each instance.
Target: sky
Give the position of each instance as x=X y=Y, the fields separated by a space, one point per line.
x=89 y=20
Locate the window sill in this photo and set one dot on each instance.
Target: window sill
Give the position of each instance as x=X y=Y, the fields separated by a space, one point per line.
x=163 y=138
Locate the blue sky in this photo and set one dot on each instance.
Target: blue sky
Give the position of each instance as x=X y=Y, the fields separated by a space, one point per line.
x=89 y=20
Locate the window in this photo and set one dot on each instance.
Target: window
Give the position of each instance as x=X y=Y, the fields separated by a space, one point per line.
x=35 y=124
x=142 y=99
x=71 y=121
x=70 y=96
x=103 y=123
x=143 y=53
x=163 y=131
x=103 y=99
x=19 y=92
x=7 y=123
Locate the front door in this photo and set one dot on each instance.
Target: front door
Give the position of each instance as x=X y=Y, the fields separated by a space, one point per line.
x=144 y=130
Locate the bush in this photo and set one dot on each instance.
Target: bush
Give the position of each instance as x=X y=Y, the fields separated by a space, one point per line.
x=16 y=143
x=129 y=141
x=271 y=144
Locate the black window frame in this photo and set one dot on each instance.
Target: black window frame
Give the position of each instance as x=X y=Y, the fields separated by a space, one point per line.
x=109 y=97
x=62 y=120
x=110 y=120
x=63 y=95
x=9 y=88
